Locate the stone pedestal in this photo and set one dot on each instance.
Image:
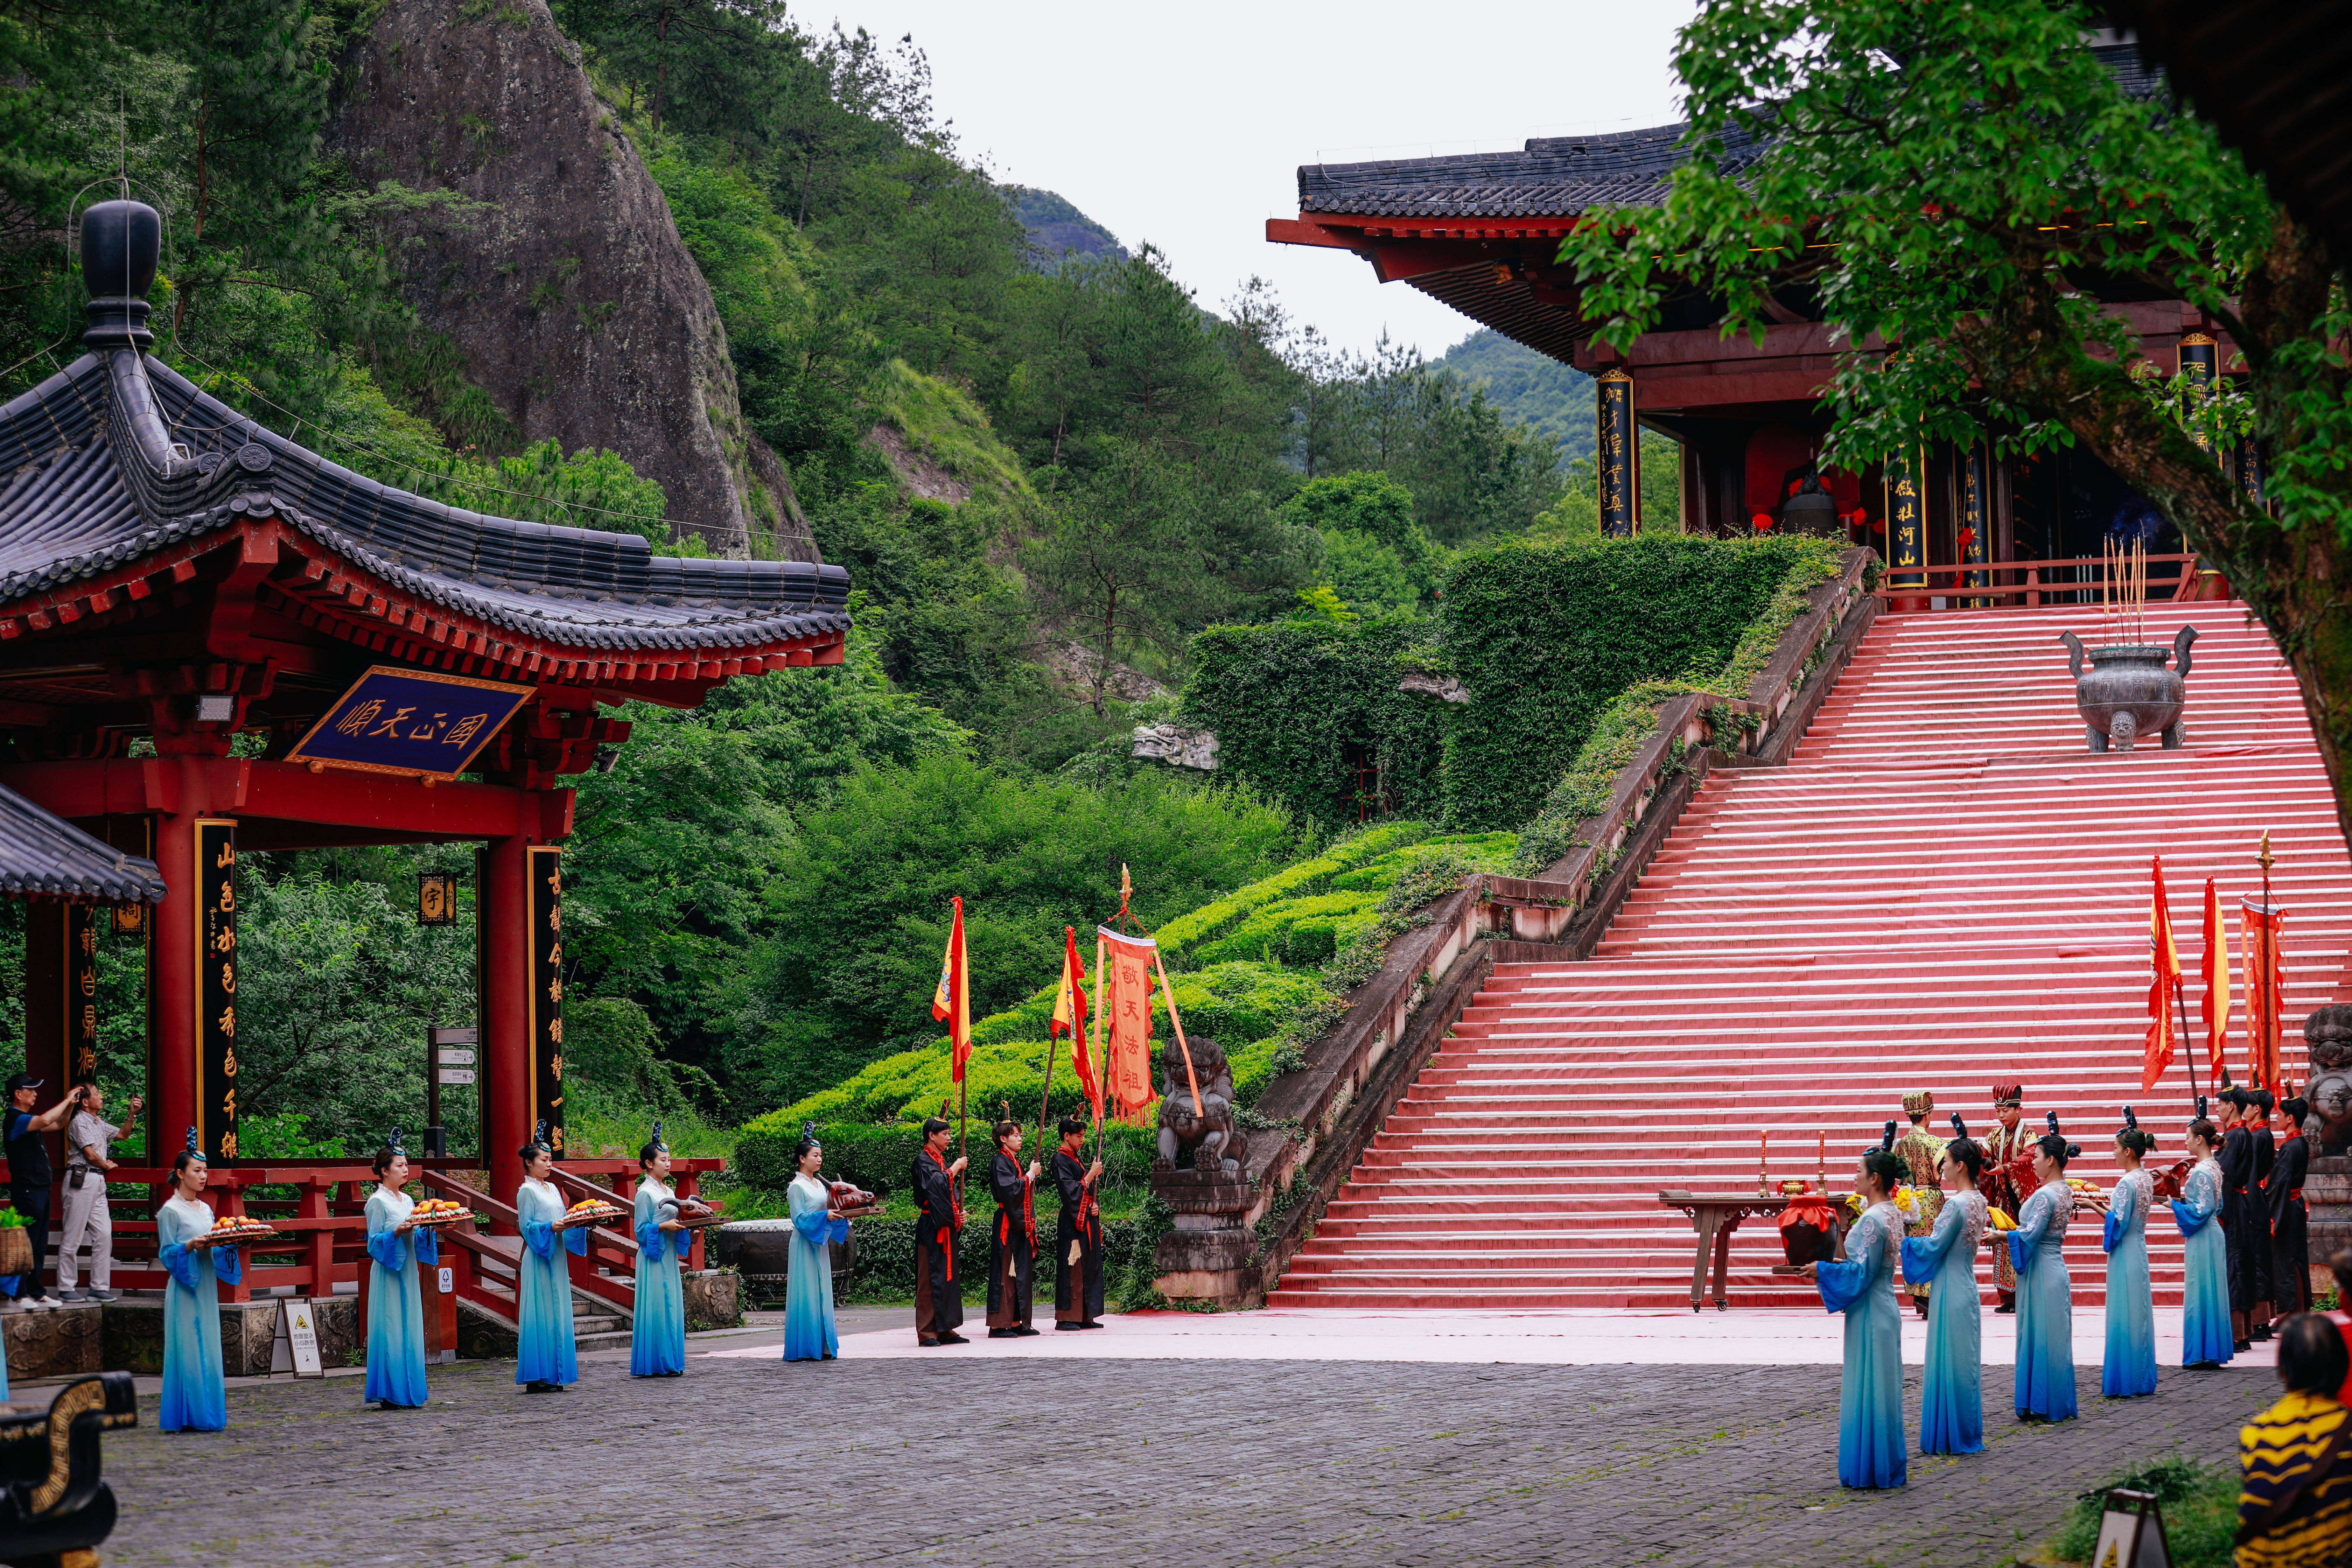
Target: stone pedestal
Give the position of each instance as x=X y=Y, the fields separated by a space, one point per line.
x=1210 y=1256
x=63 y=1343
x=2327 y=1195
x=714 y=1299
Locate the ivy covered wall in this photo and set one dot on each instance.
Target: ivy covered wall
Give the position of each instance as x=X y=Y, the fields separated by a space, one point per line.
x=1543 y=634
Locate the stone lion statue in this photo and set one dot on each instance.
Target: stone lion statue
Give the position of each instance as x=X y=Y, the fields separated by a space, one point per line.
x=1215 y=1141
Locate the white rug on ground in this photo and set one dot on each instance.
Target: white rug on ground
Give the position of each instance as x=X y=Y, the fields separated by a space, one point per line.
x=1567 y=1337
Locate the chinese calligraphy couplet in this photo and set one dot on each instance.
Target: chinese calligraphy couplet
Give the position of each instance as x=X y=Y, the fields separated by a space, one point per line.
x=2200 y=362
x=215 y=883
x=1616 y=455
x=1127 y=961
x=1974 y=515
x=546 y=889
x=82 y=993
x=1906 y=521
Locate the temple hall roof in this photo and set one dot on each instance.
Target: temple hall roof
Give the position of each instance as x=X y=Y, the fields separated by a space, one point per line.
x=117 y=457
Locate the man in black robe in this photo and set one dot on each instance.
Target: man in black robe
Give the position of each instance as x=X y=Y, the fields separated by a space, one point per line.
x=939 y=1299
x=2259 y=1105
x=2238 y=1221
x=1012 y=1249
x=2290 y=1235
x=1077 y=1234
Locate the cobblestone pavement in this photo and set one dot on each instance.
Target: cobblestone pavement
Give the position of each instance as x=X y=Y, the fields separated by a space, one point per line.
x=1351 y=1464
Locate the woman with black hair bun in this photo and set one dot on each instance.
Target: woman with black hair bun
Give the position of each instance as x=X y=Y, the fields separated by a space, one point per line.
x=1872 y=1449
x=2205 y=1341
x=2129 y=1369
x=2045 y=1291
x=1951 y=1392
x=2289 y=1221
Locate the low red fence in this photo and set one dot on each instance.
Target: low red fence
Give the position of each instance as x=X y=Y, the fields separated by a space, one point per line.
x=2079 y=580
x=320 y=1214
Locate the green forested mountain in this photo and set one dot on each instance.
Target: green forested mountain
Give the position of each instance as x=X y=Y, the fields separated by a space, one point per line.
x=1045 y=482
x=1527 y=388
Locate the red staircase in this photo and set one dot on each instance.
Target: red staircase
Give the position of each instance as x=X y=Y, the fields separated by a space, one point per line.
x=1944 y=890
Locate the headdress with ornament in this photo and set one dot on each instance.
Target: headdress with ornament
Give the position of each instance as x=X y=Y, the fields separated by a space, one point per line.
x=2005 y=1094
x=195 y=1144
x=655 y=1143
x=538 y=1138
x=1918 y=1103
x=2054 y=1143
x=393 y=1141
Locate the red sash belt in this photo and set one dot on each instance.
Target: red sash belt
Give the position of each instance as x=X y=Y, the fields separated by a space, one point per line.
x=948 y=1246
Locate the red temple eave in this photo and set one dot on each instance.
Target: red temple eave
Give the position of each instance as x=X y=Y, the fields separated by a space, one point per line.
x=290 y=578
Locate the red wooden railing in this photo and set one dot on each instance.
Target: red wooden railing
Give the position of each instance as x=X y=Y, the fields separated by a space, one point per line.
x=322 y=1225
x=2072 y=580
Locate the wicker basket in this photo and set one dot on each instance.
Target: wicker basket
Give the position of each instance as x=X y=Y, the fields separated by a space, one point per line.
x=15 y=1252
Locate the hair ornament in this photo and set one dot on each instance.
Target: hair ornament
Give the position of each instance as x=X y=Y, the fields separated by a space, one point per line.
x=659 y=1147
x=538 y=1138
x=393 y=1141
x=2131 y=1120
x=1959 y=1127
x=2200 y=1108
x=195 y=1144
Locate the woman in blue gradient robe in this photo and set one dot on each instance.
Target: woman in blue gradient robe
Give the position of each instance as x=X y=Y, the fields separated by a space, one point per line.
x=2205 y=1265
x=195 y=1396
x=808 y=1291
x=395 y=1325
x=657 y=1335
x=2045 y=1291
x=2129 y=1368
x=1951 y=1395
x=547 y=1356
x=1872 y=1451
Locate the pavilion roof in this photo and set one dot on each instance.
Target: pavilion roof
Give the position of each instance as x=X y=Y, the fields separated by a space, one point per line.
x=44 y=855
x=117 y=457
x=1552 y=176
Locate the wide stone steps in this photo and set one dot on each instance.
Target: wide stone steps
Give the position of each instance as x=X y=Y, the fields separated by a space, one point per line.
x=1944 y=890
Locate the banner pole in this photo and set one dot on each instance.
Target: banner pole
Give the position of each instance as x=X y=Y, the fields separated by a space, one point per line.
x=1102 y=1070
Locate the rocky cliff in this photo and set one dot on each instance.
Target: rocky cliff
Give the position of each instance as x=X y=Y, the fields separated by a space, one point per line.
x=568 y=292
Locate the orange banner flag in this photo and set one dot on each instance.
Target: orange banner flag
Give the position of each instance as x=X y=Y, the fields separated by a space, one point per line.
x=2165 y=959
x=2259 y=928
x=2217 y=986
x=951 y=1002
x=1130 y=961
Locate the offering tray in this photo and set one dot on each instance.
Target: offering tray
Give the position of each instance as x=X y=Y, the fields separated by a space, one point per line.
x=696 y=1217
x=233 y=1236
x=420 y=1220
x=573 y=1218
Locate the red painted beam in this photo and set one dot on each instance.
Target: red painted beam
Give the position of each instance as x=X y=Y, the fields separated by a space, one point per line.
x=288 y=792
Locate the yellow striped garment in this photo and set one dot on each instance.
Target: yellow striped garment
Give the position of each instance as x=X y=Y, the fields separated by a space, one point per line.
x=2278 y=1447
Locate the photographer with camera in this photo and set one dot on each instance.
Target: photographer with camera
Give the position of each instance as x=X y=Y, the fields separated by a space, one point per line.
x=90 y=1154
x=28 y=1181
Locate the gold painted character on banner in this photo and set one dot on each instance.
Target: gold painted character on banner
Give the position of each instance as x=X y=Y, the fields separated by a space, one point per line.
x=555 y=1031
x=429 y=729
x=89 y=940
x=87 y=979
x=227 y=1024
x=464 y=729
x=390 y=728
x=226 y=941
x=229 y=1144
x=228 y=978
x=359 y=718
x=229 y=1064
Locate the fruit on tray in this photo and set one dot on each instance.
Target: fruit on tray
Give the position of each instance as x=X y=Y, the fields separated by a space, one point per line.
x=2002 y=1222
x=237 y=1225
x=437 y=1211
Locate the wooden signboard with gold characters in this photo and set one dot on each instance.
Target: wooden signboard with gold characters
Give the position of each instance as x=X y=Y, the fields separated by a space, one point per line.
x=215 y=880
x=418 y=723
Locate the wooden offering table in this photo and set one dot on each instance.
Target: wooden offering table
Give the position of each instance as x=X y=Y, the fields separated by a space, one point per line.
x=1714 y=1217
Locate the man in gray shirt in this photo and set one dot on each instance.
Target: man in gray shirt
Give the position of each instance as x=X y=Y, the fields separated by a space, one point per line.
x=89 y=1143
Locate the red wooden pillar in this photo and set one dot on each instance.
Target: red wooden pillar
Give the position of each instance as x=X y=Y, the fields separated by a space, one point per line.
x=506 y=1047
x=171 y=1067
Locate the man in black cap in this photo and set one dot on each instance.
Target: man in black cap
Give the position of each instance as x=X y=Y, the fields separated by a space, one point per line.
x=29 y=1178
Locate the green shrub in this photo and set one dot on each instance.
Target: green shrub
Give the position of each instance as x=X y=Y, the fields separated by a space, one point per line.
x=2201 y=1511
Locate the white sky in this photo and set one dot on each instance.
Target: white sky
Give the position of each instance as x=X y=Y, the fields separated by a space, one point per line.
x=1185 y=125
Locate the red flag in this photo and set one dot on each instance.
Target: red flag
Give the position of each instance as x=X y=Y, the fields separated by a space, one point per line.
x=952 y=1003
x=2217 y=985
x=1130 y=1020
x=2165 y=959
x=1070 y=1018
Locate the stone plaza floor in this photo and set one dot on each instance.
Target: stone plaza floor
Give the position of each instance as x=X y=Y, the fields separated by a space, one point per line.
x=957 y=1458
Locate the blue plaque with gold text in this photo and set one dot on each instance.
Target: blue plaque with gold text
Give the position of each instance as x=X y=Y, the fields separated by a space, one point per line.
x=409 y=721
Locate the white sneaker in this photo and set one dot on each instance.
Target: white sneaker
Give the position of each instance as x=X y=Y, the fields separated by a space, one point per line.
x=45 y=1303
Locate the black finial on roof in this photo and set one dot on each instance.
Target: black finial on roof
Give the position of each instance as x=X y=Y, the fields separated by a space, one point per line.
x=120 y=242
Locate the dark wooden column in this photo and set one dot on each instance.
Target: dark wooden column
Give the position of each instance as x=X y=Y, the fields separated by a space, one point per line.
x=49 y=929
x=523 y=1001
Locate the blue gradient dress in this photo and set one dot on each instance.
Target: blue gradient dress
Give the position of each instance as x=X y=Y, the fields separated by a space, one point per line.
x=2130 y=1366
x=1951 y=1395
x=658 y=1336
x=395 y=1328
x=195 y=1397
x=2045 y=1303
x=808 y=1291
x=545 y=1351
x=1872 y=1451
x=2205 y=1283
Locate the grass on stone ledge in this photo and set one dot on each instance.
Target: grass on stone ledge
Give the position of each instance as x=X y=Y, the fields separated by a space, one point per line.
x=2201 y=1511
